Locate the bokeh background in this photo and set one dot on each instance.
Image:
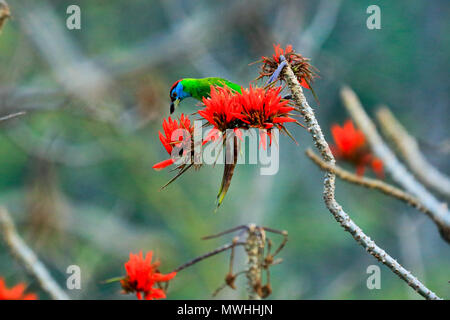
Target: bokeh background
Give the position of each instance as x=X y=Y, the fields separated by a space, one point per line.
x=75 y=171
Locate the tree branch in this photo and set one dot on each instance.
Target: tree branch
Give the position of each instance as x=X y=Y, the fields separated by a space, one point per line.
x=253 y=246
x=223 y=248
x=26 y=257
x=13 y=115
x=399 y=173
x=329 y=189
x=5 y=13
x=410 y=152
x=368 y=183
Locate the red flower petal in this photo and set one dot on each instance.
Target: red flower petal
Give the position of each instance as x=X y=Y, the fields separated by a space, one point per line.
x=283 y=119
x=163 y=164
x=15 y=293
x=377 y=167
x=304 y=84
x=158 y=277
x=262 y=138
x=155 y=294
x=213 y=135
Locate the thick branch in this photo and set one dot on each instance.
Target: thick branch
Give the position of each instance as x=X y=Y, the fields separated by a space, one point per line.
x=399 y=173
x=329 y=188
x=253 y=246
x=410 y=152
x=28 y=258
x=376 y=184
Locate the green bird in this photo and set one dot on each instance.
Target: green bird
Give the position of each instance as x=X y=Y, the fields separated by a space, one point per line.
x=197 y=89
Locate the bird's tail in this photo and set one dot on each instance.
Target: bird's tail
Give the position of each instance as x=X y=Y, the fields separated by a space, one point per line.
x=231 y=153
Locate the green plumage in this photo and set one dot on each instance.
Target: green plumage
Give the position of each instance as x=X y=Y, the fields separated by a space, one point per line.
x=199 y=88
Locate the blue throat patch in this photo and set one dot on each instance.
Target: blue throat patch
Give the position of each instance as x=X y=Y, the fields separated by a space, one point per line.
x=181 y=94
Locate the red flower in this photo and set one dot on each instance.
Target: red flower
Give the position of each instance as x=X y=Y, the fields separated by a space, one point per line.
x=351 y=146
x=15 y=293
x=175 y=134
x=300 y=65
x=252 y=108
x=264 y=109
x=279 y=51
x=222 y=109
x=142 y=275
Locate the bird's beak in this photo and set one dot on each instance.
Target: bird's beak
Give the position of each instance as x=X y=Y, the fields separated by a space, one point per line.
x=174 y=105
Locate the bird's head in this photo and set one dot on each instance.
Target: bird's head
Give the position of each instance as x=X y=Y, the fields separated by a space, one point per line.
x=177 y=93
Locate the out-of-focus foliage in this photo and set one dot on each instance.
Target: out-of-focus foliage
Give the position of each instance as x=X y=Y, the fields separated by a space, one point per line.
x=76 y=170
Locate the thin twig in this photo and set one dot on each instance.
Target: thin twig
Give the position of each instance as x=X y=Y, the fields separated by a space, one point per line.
x=280 y=232
x=329 y=191
x=224 y=285
x=376 y=184
x=399 y=173
x=207 y=255
x=254 y=247
x=410 y=152
x=10 y=116
x=25 y=256
x=225 y=232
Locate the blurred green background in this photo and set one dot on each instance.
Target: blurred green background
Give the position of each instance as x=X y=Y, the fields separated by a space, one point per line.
x=75 y=171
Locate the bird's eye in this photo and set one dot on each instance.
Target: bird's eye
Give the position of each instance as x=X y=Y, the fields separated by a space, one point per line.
x=174 y=94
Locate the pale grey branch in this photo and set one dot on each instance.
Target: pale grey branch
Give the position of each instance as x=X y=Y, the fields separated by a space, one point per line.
x=329 y=192
x=438 y=210
x=26 y=257
x=410 y=152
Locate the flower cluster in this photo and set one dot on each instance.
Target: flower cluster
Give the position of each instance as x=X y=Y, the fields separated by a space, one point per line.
x=222 y=111
x=300 y=65
x=350 y=145
x=265 y=109
x=252 y=108
x=176 y=134
x=143 y=275
x=225 y=109
x=15 y=293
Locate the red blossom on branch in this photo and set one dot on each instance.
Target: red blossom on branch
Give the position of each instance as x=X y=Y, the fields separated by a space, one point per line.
x=279 y=51
x=143 y=275
x=264 y=109
x=300 y=65
x=222 y=109
x=252 y=108
x=15 y=293
x=176 y=134
x=351 y=146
